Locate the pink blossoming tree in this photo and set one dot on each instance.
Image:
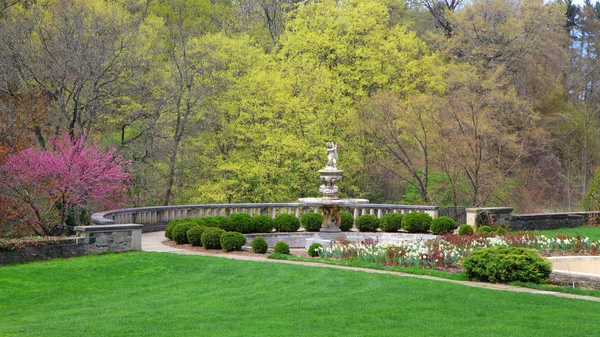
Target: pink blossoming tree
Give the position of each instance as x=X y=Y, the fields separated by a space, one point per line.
x=40 y=186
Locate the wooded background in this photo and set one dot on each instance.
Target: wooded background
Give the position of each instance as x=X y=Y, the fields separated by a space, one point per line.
x=449 y=102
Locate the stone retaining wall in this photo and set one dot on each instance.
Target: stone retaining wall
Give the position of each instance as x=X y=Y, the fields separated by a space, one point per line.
x=93 y=240
x=545 y=221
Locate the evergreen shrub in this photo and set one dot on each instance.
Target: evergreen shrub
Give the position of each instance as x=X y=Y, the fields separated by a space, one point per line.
x=367 y=223
x=262 y=224
x=313 y=250
x=443 y=225
x=391 y=222
x=232 y=241
x=259 y=245
x=506 y=264
x=179 y=233
x=286 y=223
x=281 y=248
x=240 y=222
x=501 y=231
x=347 y=221
x=311 y=221
x=194 y=235
x=485 y=229
x=417 y=222
x=211 y=238
x=465 y=230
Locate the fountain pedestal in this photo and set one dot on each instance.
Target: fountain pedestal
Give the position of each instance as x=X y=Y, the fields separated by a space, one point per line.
x=330 y=205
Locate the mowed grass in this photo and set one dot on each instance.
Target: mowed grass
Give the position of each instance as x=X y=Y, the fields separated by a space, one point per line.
x=585 y=231
x=161 y=294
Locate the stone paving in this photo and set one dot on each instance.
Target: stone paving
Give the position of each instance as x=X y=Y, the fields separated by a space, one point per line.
x=152 y=242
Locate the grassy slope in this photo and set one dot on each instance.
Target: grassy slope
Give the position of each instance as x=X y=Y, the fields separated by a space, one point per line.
x=140 y=294
x=592 y=232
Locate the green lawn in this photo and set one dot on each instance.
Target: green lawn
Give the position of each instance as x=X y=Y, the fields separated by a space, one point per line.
x=150 y=294
x=586 y=231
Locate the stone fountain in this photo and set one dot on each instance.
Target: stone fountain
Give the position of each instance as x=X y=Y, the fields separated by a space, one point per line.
x=330 y=205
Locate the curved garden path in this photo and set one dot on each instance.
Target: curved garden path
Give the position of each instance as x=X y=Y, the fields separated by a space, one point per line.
x=152 y=242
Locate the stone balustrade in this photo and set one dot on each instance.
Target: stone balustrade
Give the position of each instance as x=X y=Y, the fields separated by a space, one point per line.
x=156 y=218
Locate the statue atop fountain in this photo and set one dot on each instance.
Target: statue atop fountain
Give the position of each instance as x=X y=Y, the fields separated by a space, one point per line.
x=330 y=204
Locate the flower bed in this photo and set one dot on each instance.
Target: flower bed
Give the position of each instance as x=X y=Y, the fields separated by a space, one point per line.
x=445 y=251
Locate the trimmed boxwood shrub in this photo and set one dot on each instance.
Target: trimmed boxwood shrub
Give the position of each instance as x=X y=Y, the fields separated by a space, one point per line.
x=311 y=221
x=223 y=222
x=506 y=264
x=367 y=223
x=501 y=231
x=179 y=233
x=259 y=245
x=465 y=230
x=281 y=248
x=286 y=223
x=194 y=235
x=484 y=229
x=262 y=224
x=417 y=222
x=211 y=238
x=232 y=241
x=443 y=225
x=347 y=221
x=240 y=222
x=391 y=222
x=313 y=250
x=173 y=223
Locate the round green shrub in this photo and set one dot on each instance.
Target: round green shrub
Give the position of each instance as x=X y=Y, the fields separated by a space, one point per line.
x=211 y=238
x=391 y=222
x=313 y=250
x=465 y=230
x=367 y=223
x=194 y=235
x=286 y=223
x=347 y=221
x=179 y=233
x=223 y=222
x=417 y=222
x=173 y=223
x=281 y=248
x=485 y=229
x=262 y=224
x=259 y=245
x=232 y=241
x=442 y=225
x=311 y=221
x=501 y=231
x=208 y=221
x=506 y=264
x=240 y=222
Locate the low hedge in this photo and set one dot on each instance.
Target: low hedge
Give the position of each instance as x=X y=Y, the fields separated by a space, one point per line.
x=442 y=225
x=262 y=224
x=391 y=222
x=259 y=245
x=179 y=233
x=347 y=221
x=311 y=221
x=194 y=235
x=173 y=223
x=286 y=223
x=506 y=264
x=416 y=222
x=240 y=222
x=211 y=238
x=367 y=223
x=232 y=241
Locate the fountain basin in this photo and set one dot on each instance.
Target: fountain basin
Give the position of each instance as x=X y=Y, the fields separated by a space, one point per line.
x=576 y=266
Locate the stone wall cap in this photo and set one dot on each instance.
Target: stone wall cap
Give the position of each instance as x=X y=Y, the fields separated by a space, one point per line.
x=492 y=209
x=106 y=228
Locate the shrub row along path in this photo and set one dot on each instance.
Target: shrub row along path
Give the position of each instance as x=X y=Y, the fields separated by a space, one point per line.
x=153 y=242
